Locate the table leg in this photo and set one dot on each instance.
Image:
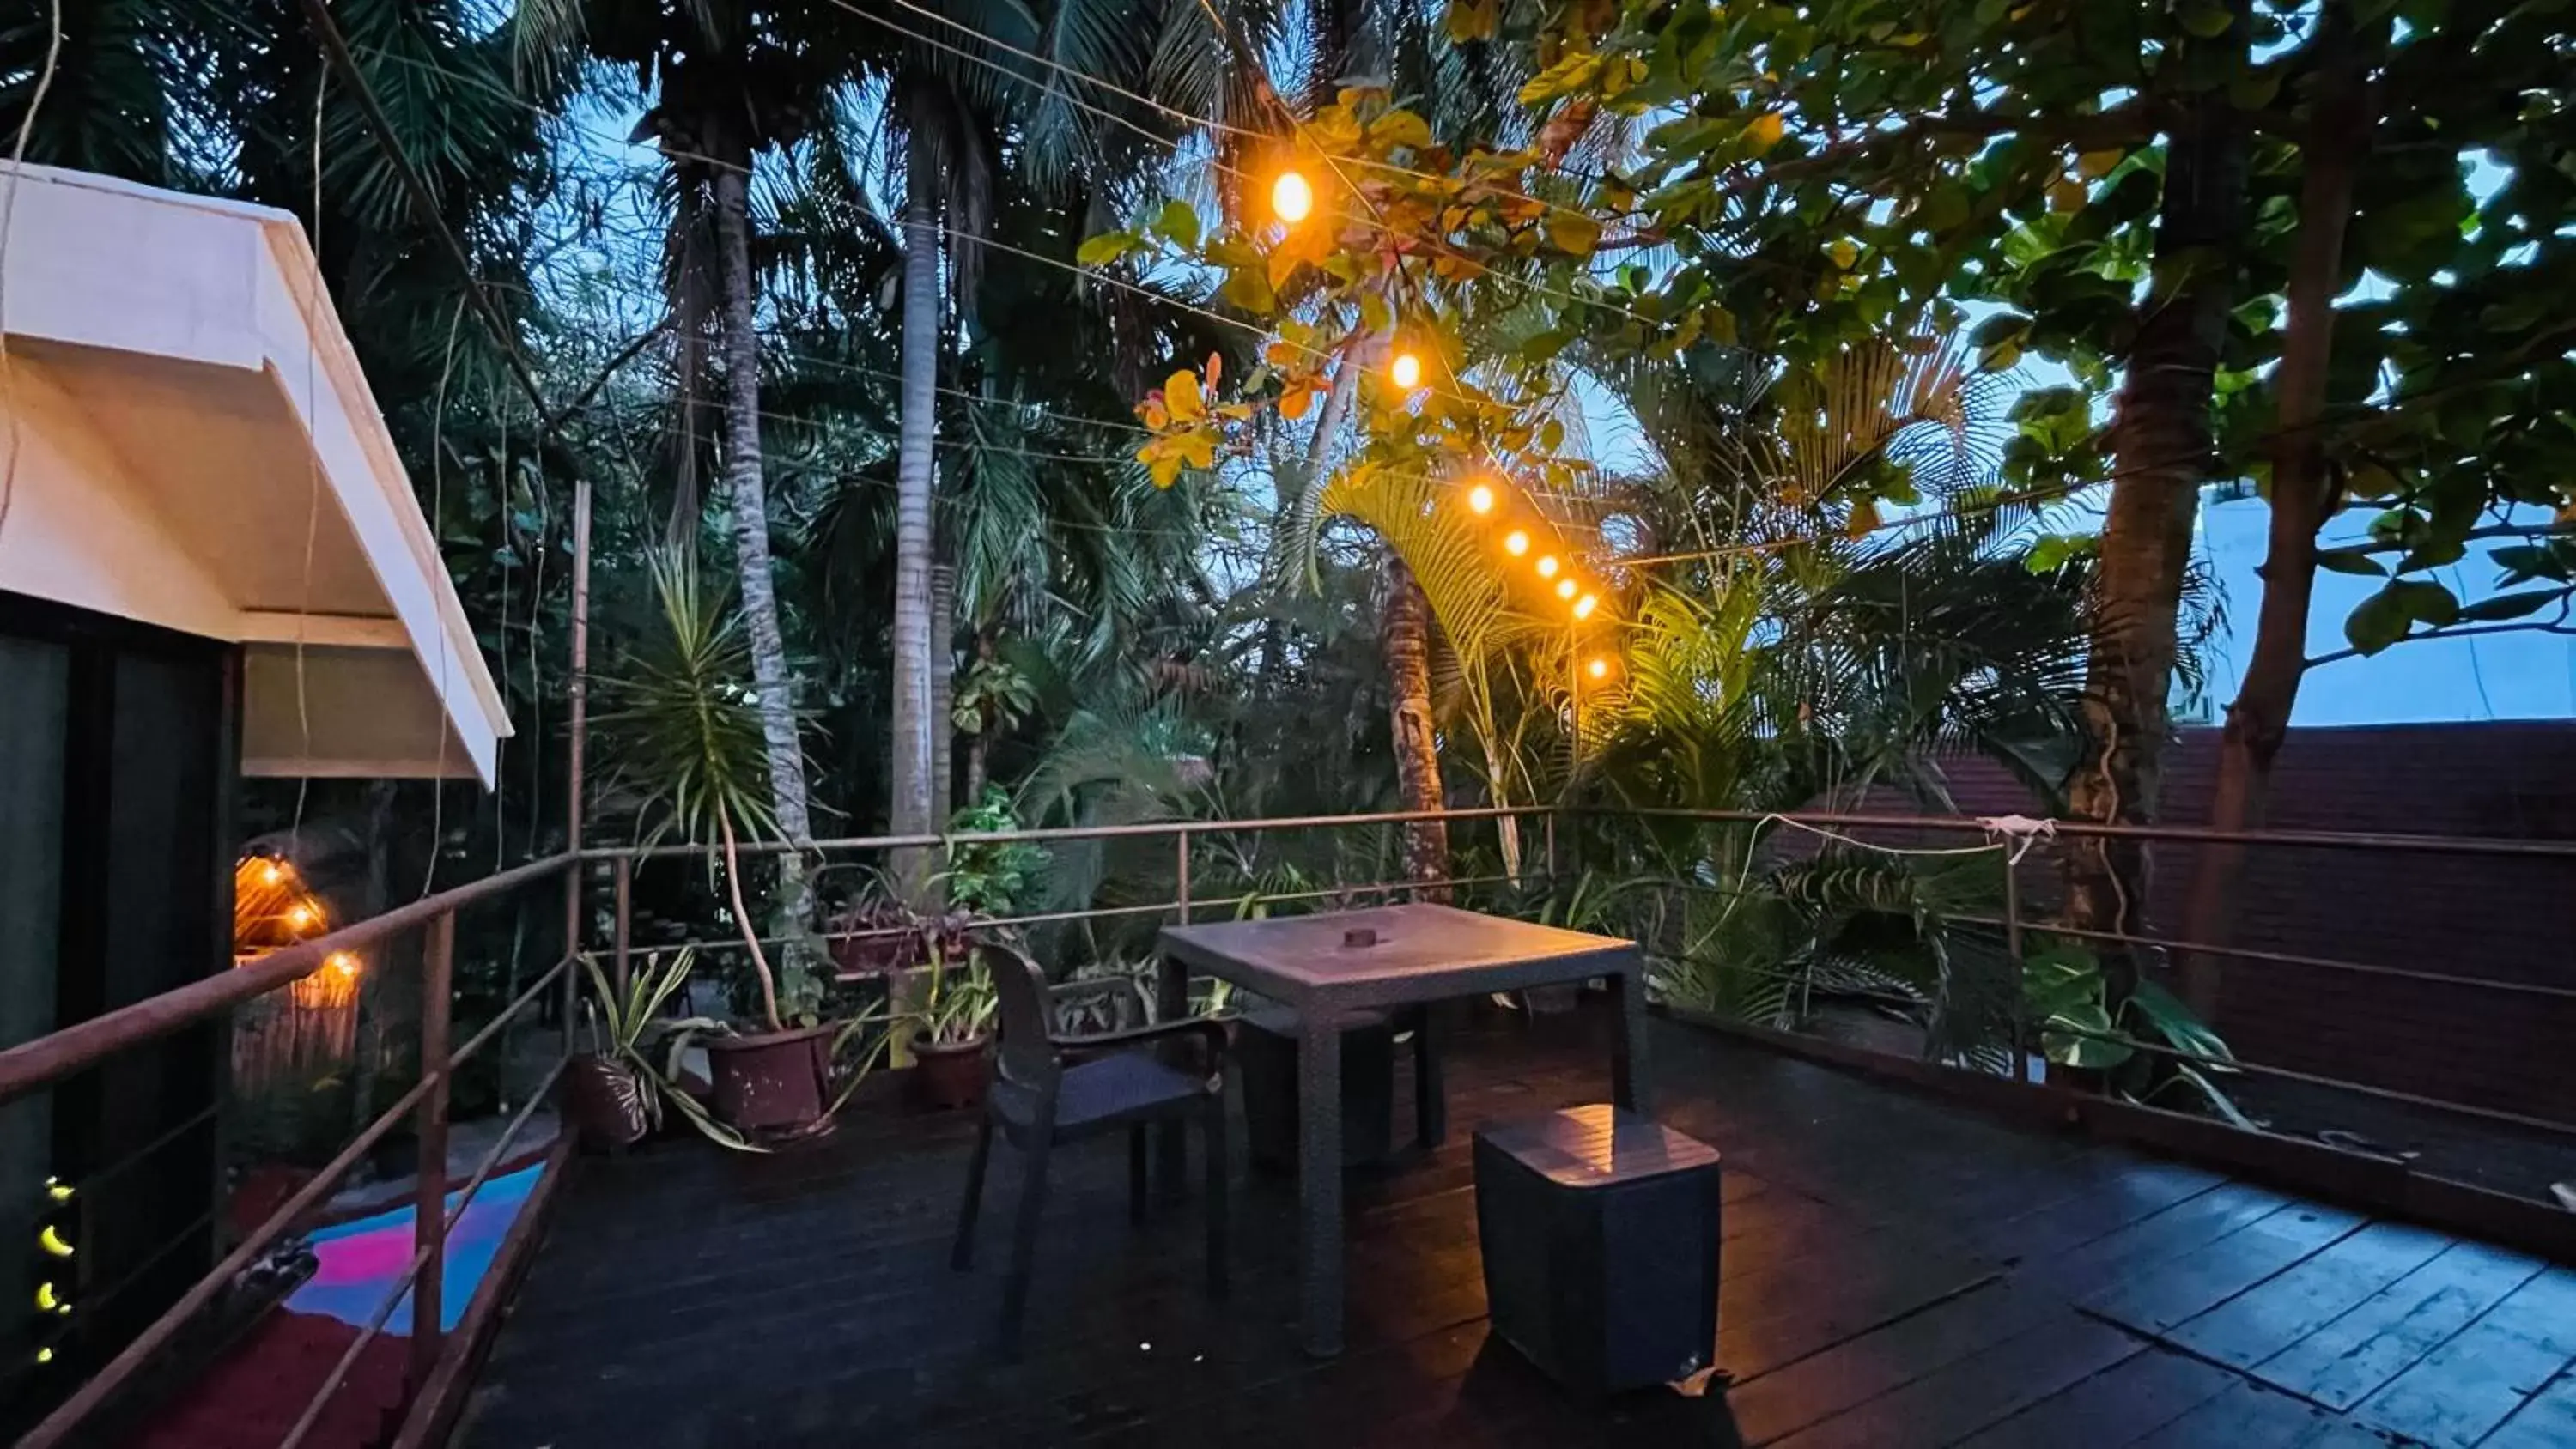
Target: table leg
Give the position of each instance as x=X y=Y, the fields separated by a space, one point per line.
x=1171 y=1142
x=1630 y=1082
x=1430 y=1093
x=1319 y=1180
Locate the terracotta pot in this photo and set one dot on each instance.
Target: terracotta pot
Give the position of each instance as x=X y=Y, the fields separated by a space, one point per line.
x=950 y=1074
x=605 y=1100
x=773 y=1082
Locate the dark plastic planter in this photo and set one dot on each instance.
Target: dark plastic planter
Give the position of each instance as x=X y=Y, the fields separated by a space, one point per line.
x=774 y=1083
x=606 y=1101
x=950 y=1075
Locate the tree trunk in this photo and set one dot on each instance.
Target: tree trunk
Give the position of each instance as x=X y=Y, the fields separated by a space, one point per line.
x=1407 y=642
x=1288 y=501
x=2161 y=449
x=943 y=689
x=743 y=476
x=2302 y=498
x=980 y=743
x=910 y=776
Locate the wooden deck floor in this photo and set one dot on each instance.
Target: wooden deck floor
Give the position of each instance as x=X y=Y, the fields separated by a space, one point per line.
x=1898 y=1271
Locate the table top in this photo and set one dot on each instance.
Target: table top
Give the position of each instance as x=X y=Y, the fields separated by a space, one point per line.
x=1420 y=953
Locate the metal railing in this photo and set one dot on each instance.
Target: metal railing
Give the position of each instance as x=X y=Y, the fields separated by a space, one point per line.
x=51 y=1059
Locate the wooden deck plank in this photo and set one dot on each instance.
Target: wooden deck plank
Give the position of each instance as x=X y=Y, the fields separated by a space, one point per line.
x=2261 y=1322
x=2457 y=1394
x=2197 y=1282
x=2348 y=1360
x=2118 y=1406
x=2250 y=1416
x=2546 y=1421
x=1898 y=1271
x=1981 y=1389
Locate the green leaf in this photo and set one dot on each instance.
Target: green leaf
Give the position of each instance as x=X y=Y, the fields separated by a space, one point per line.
x=2532 y=561
x=1572 y=232
x=2361 y=564
x=2510 y=606
x=2076 y=1038
x=1178 y=223
x=2387 y=616
x=1249 y=289
x=1109 y=246
x=1400 y=130
x=2207 y=21
x=2168 y=1017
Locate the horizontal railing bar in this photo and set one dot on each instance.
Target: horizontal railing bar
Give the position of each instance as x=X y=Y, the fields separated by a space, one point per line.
x=475 y=1042
x=108 y=1173
x=2481 y=845
x=501 y=1145
x=56 y=1055
x=339 y=1374
x=2285 y=958
x=1040 y=834
x=67 y=1416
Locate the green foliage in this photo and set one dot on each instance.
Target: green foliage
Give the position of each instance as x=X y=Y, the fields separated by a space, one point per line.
x=628 y=1029
x=989 y=878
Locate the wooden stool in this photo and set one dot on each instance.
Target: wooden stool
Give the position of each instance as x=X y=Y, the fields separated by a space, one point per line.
x=1600 y=1233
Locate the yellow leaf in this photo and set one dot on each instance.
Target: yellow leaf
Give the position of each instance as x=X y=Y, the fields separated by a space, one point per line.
x=1156 y=416
x=1294 y=402
x=1400 y=129
x=2066 y=194
x=1164 y=470
x=1198 y=448
x=1551 y=434
x=1844 y=254
x=1282 y=353
x=1215 y=368
x=1181 y=395
x=1572 y=232
x=1765 y=132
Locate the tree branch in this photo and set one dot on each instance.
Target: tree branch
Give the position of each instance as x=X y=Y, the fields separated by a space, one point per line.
x=2558 y=625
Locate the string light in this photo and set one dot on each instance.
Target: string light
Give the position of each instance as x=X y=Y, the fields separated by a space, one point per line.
x=1600 y=669
x=1565 y=588
x=1291 y=199
x=1516 y=543
x=300 y=914
x=1480 y=499
x=1583 y=606
x=1405 y=371
x=344 y=963
x=269 y=873
x=1547 y=565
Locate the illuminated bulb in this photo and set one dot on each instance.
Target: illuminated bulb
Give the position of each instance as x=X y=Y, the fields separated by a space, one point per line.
x=1565 y=588
x=44 y=1355
x=1480 y=499
x=1583 y=606
x=1406 y=370
x=1547 y=565
x=1516 y=543
x=1600 y=669
x=47 y=1300
x=343 y=962
x=58 y=1190
x=1291 y=198
x=51 y=1240
x=299 y=914
x=269 y=874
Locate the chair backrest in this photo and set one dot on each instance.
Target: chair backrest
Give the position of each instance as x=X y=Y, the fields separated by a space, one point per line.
x=1026 y=1056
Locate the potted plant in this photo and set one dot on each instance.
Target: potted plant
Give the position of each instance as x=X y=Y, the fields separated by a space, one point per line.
x=687 y=735
x=616 y=1093
x=951 y=1028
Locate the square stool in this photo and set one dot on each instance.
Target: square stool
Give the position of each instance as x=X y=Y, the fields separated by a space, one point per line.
x=1599 y=1231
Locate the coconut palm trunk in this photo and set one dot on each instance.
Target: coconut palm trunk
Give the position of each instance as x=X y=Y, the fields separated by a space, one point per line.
x=2161 y=448
x=910 y=775
x=2302 y=499
x=1406 y=641
x=743 y=476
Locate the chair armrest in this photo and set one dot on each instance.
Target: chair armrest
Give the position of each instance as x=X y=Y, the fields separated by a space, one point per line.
x=1211 y=1030
x=1095 y=986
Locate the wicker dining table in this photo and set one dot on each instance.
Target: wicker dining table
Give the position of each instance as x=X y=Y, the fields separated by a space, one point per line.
x=1335 y=965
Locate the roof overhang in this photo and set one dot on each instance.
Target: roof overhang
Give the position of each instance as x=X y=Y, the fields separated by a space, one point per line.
x=193 y=445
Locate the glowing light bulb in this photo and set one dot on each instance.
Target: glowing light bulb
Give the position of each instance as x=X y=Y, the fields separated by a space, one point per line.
x=1406 y=370
x=299 y=915
x=1583 y=606
x=1516 y=543
x=1480 y=499
x=1547 y=565
x=269 y=874
x=1565 y=589
x=44 y=1355
x=47 y=1300
x=1600 y=669
x=1291 y=199
x=345 y=963
x=51 y=1240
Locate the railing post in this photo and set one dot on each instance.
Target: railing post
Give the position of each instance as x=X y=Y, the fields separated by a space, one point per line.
x=1181 y=872
x=624 y=931
x=2012 y=954
x=429 y=1194
x=1551 y=849
x=572 y=949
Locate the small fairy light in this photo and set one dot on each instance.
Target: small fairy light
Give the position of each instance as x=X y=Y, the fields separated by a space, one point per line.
x=1516 y=543
x=1584 y=606
x=1405 y=371
x=1291 y=198
x=1547 y=565
x=1598 y=669
x=343 y=964
x=1480 y=499
x=270 y=872
x=300 y=914
x=1565 y=589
